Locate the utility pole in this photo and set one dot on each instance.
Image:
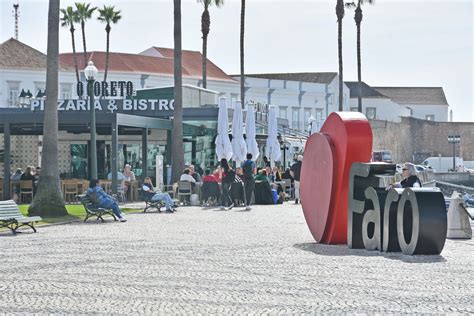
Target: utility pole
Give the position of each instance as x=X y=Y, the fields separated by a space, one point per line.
x=16 y=14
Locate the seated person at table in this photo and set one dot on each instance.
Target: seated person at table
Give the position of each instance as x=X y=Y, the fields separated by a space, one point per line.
x=208 y=177
x=196 y=176
x=28 y=175
x=157 y=195
x=277 y=173
x=128 y=175
x=101 y=199
x=186 y=176
x=262 y=176
x=210 y=188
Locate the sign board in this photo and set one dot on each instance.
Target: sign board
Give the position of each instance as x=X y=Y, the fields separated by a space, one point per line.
x=108 y=105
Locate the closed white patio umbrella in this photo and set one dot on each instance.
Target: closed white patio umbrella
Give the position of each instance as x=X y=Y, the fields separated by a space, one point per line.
x=273 y=145
x=223 y=146
x=239 y=147
x=251 y=133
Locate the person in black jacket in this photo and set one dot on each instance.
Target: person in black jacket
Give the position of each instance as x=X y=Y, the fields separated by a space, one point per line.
x=410 y=179
x=295 y=172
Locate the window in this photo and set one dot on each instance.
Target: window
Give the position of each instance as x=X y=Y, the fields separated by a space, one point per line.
x=65 y=93
x=296 y=118
x=429 y=117
x=354 y=109
x=319 y=115
x=283 y=112
x=13 y=93
x=371 y=113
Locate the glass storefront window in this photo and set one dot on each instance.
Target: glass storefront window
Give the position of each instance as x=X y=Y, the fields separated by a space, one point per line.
x=78 y=161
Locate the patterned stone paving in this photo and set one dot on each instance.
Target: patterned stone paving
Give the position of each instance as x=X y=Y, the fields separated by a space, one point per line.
x=206 y=261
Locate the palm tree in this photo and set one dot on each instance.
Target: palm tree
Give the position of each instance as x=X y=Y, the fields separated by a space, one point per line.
x=205 y=28
x=108 y=15
x=177 y=149
x=84 y=13
x=340 y=16
x=48 y=200
x=68 y=19
x=358 y=21
x=242 y=31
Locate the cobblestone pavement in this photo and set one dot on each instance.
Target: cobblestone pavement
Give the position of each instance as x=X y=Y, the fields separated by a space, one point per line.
x=216 y=262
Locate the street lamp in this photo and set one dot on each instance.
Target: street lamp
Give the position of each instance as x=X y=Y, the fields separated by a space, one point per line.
x=454 y=139
x=91 y=73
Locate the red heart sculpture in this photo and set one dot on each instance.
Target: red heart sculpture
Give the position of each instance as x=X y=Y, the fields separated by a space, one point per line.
x=345 y=138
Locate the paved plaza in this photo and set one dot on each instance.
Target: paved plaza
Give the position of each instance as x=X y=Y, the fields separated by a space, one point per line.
x=206 y=261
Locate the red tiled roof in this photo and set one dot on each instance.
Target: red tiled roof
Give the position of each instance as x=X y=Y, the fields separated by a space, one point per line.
x=16 y=55
x=146 y=64
x=122 y=62
x=192 y=62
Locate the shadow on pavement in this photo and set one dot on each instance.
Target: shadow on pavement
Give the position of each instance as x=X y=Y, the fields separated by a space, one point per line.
x=343 y=250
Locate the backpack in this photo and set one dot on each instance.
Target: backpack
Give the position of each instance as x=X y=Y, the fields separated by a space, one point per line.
x=247 y=169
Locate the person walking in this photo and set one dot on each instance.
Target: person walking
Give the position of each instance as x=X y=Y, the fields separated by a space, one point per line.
x=248 y=169
x=295 y=172
x=227 y=175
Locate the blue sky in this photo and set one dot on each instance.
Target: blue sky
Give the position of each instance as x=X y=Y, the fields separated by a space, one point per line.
x=404 y=43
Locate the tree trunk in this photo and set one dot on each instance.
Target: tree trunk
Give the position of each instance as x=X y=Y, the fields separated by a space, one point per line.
x=177 y=149
x=340 y=15
x=242 y=73
x=358 y=19
x=74 y=52
x=205 y=26
x=48 y=200
x=107 y=30
x=83 y=26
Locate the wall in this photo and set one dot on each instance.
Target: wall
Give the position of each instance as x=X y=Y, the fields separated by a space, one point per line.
x=415 y=140
x=421 y=110
x=386 y=109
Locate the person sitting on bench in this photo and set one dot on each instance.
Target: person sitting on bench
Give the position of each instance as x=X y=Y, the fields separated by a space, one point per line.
x=155 y=196
x=101 y=199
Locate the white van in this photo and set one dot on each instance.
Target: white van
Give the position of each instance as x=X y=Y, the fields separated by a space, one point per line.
x=442 y=164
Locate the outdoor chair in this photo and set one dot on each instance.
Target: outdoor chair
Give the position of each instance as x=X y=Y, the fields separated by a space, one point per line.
x=185 y=190
x=71 y=189
x=11 y=217
x=26 y=189
x=288 y=189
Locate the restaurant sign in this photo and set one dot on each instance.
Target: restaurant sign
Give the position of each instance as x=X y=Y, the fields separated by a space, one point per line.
x=109 y=105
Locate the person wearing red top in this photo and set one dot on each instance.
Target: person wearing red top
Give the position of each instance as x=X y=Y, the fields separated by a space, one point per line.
x=208 y=177
x=217 y=175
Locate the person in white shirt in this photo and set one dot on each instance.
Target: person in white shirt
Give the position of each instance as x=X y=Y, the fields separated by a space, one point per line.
x=157 y=195
x=187 y=177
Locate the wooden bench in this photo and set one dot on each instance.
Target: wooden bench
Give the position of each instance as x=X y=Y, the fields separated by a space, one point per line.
x=11 y=217
x=93 y=210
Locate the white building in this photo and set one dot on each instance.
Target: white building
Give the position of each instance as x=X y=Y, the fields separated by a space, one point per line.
x=298 y=96
x=375 y=105
x=426 y=103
